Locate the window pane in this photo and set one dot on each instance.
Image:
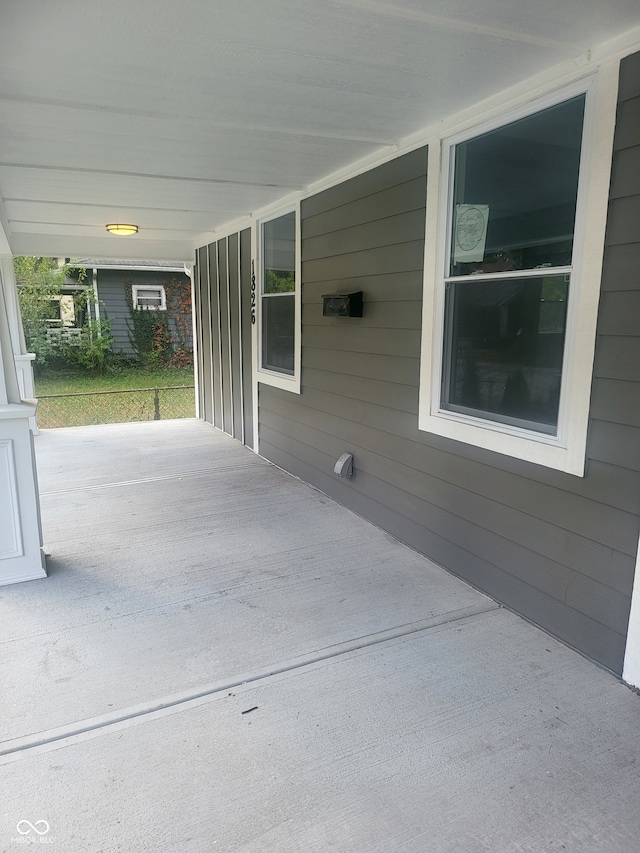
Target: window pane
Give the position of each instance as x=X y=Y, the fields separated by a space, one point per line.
x=505 y=343
x=515 y=193
x=148 y=297
x=279 y=254
x=278 y=322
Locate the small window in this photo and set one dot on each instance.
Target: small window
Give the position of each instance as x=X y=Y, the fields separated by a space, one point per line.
x=279 y=301
x=150 y=298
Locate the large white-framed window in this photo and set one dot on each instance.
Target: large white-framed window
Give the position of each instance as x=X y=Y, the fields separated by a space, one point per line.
x=149 y=297
x=516 y=214
x=279 y=308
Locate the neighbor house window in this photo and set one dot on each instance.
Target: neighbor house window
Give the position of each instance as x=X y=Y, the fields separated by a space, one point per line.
x=279 y=301
x=151 y=298
x=511 y=337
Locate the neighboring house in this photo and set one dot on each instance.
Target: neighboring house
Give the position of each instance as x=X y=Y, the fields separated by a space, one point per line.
x=489 y=391
x=122 y=285
x=67 y=318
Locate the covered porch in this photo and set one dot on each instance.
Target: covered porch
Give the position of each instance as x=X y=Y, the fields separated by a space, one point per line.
x=223 y=658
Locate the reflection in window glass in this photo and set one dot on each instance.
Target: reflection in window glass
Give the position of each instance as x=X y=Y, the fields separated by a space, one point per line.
x=279 y=254
x=505 y=342
x=512 y=211
x=278 y=323
x=278 y=294
x=514 y=195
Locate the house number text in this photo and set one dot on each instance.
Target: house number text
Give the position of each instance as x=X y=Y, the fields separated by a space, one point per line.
x=253 y=292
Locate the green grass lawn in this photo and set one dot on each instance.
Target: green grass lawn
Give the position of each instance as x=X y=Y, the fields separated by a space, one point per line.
x=71 y=382
x=90 y=405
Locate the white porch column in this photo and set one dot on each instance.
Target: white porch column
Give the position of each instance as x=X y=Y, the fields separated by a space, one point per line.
x=21 y=553
x=631 y=670
x=23 y=359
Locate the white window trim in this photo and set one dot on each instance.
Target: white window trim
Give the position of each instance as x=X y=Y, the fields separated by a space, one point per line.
x=566 y=451
x=135 y=288
x=272 y=377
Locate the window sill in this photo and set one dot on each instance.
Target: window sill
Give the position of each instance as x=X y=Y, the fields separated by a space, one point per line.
x=279 y=380
x=538 y=448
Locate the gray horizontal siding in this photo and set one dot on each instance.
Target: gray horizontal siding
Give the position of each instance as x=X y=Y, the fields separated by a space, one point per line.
x=390 y=395
x=393 y=287
x=618 y=358
x=387 y=203
x=600 y=602
x=111 y=292
x=621 y=270
x=385 y=368
x=619 y=311
x=395 y=342
x=624 y=213
x=381 y=315
x=628 y=123
x=626 y=175
x=360 y=264
x=473 y=490
x=389 y=231
x=630 y=78
x=590 y=636
x=616 y=401
x=559 y=549
x=368 y=185
x=615 y=443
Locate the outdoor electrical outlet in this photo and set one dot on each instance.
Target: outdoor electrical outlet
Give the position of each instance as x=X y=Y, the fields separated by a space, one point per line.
x=344 y=466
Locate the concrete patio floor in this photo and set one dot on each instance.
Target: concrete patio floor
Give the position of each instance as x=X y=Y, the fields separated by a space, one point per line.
x=224 y=659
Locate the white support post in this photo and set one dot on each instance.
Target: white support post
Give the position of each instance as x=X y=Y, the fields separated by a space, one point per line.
x=188 y=271
x=21 y=553
x=23 y=359
x=631 y=670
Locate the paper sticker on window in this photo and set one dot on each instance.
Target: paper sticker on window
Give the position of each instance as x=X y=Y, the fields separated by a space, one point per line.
x=470 y=232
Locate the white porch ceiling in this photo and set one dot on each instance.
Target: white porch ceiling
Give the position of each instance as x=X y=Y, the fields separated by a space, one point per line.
x=184 y=115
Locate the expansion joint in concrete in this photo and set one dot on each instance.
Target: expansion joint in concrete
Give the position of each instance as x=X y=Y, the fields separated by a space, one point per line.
x=13 y=750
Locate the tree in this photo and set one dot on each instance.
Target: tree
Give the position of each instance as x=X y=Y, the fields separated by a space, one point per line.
x=40 y=281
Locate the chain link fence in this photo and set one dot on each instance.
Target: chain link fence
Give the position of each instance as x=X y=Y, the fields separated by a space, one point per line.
x=116 y=407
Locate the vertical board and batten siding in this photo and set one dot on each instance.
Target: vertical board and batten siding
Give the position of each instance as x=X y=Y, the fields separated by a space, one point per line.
x=212 y=286
x=225 y=331
x=556 y=548
x=222 y=299
x=203 y=337
x=246 y=331
x=197 y=334
x=233 y=267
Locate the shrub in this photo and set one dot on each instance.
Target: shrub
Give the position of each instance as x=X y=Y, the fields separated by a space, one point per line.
x=94 y=350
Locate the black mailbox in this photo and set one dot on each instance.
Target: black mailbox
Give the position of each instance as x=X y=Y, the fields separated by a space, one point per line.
x=342 y=304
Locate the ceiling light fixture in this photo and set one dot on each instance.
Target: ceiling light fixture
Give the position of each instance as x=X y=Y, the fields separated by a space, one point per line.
x=122 y=229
